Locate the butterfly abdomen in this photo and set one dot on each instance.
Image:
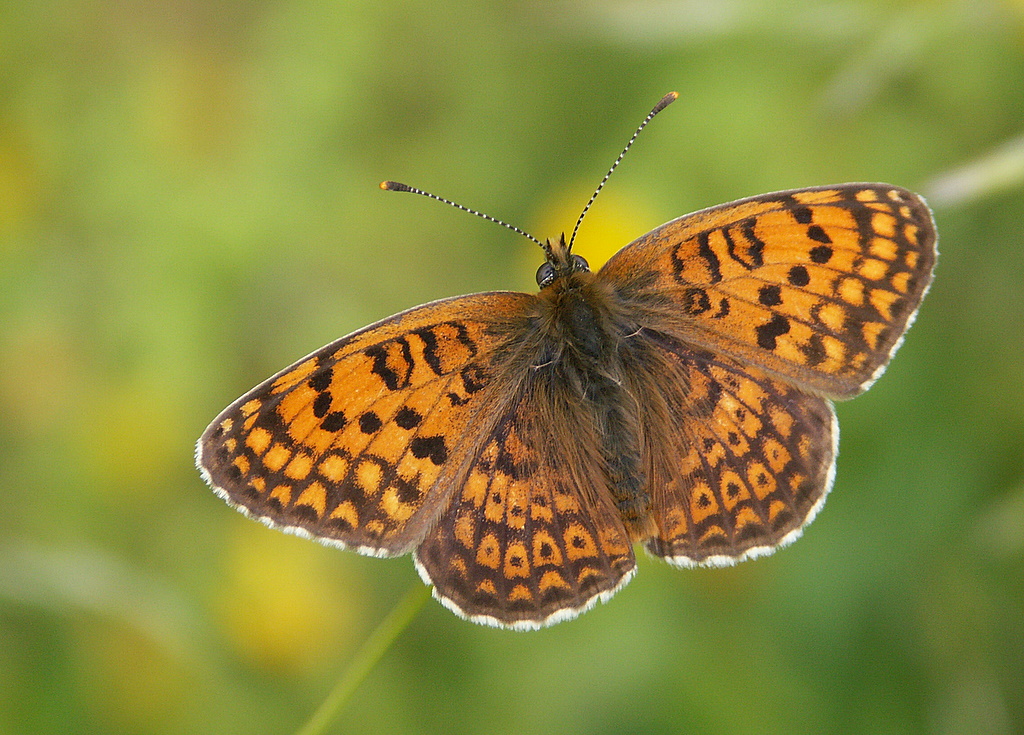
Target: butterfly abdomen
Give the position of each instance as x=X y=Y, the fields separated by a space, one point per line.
x=620 y=450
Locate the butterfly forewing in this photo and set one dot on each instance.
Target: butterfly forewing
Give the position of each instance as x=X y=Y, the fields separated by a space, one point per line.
x=354 y=444
x=814 y=285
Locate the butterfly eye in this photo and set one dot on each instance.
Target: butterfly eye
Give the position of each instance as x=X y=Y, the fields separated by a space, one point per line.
x=580 y=264
x=545 y=274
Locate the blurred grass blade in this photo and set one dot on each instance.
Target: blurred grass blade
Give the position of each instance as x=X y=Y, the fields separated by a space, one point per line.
x=366 y=658
x=1002 y=168
x=70 y=580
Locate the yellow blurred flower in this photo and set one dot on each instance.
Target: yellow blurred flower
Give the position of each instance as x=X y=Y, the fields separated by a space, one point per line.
x=285 y=605
x=615 y=220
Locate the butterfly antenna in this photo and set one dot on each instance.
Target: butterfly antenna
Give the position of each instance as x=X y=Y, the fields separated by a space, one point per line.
x=395 y=186
x=665 y=101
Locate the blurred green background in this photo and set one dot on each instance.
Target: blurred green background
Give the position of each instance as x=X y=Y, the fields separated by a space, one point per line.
x=189 y=202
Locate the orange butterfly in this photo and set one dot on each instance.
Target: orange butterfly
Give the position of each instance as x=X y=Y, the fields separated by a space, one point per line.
x=521 y=444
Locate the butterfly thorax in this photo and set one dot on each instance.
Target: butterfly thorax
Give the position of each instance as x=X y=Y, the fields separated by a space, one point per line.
x=582 y=358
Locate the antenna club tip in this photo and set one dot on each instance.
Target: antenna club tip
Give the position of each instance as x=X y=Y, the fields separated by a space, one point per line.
x=667 y=100
x=392 y=186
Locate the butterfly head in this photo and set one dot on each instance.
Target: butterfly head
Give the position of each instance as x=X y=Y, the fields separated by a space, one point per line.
x=560 y=262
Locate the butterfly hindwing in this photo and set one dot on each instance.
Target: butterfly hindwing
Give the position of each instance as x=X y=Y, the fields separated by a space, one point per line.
x=814 y=285
x=752 y=463
x=522 y=543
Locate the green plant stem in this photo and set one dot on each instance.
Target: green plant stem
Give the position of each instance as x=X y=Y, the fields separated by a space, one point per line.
x=375 y=646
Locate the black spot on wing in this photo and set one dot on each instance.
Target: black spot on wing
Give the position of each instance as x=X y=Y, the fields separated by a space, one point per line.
x=770 y=295
x=814 y=350
x=407 y=490
x=821 y=254
x=322 y=404
x=392 y=362
x=802 y=214
x=408 y=418
x=816 y=233
x=321 y=381
x=798 y=276
x=696 y=301
x=429 y=447
x=767 y=333
x=474 y=378
x=334 y=421
x=370 y=423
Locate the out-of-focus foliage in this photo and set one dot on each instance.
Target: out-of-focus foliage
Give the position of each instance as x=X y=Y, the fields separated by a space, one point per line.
x=188 y=203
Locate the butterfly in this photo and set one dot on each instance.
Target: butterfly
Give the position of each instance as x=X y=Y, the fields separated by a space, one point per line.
x=520 y=445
